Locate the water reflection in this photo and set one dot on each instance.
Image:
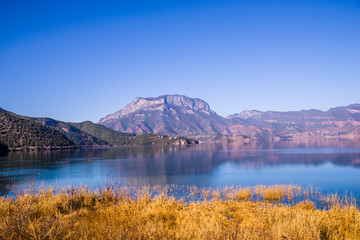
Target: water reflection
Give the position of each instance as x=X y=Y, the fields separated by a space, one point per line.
x=332 y=165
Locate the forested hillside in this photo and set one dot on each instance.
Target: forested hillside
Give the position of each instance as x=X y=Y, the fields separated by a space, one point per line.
x=119 y=138
x=76 y=135
x=22 y=133
x=18 y=133
x=111 y=136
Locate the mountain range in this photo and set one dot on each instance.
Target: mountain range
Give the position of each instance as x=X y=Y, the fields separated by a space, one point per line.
x=178 y=119
x=28 y=133
x=178 y=115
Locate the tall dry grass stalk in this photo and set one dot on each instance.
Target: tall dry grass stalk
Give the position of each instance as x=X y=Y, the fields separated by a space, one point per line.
x=260 y=212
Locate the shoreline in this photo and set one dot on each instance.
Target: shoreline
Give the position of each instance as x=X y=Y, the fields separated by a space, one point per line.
x=142 y=213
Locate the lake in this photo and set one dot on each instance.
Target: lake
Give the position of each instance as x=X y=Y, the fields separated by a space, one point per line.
x=333 y=167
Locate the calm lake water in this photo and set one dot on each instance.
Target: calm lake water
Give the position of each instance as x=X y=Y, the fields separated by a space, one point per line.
x=332 y=167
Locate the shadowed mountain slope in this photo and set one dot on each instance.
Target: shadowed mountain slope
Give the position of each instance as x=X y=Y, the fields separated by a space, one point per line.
x=19 y=133
x=110 y=136
x=119 y=138
x=76 y=135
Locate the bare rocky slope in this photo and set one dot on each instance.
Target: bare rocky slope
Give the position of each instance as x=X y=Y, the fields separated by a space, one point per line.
x=173 y=115
x=178 y=115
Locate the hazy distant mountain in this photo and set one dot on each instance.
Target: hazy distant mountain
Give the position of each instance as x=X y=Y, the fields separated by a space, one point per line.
x=17 y=132
x=351 y=112
x=339 y=122
x=179 y=115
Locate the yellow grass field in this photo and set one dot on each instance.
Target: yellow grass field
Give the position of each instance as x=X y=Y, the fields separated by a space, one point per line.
x=275 y=212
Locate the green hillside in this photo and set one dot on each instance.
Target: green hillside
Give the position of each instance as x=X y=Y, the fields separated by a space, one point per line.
x=20 y=133
x=119 y=138
x=111 y=136
x=72 y=132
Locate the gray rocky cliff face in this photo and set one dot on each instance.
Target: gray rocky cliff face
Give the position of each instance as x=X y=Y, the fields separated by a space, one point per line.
x=173 y=115
x=247 y=114
x=139 y=103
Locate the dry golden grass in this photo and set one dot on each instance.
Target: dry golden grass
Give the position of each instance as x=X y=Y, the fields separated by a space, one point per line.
x=276 y=212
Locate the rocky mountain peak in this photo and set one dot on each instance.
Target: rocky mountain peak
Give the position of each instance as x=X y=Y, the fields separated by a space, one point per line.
x=195 y=104
x=138 y=103
x=246 y=114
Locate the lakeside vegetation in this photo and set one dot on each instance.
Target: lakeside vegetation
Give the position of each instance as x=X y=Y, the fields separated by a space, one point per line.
x=274 y=212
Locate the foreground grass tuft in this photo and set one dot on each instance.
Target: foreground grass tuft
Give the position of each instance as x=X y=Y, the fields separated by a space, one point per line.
x=275 y=212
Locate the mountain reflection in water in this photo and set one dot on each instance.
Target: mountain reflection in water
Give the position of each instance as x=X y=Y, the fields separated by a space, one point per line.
x=333 y=166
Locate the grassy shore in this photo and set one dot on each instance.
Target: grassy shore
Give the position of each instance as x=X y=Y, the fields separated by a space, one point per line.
x=276 y=212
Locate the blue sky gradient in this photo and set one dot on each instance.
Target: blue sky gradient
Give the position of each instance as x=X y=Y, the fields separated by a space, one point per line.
x=80 y=60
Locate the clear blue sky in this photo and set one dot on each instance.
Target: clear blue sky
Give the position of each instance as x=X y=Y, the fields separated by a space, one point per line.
x=80 y=60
